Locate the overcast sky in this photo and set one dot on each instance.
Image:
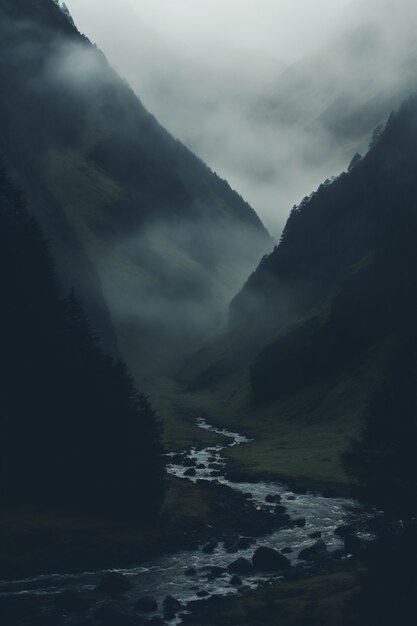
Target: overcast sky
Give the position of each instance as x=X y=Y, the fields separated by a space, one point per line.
x=287 y=29
x=213 y=73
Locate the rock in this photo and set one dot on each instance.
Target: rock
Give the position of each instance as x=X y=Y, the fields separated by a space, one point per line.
x=353 y=544
x=240 y=566
x=71 y=601
x=176 y=459
x=298 y=521
x=235 y=581
x=114 y=583
x=209 y=548
x=187 y=462
x=190 y=572
x=338 y=554
x=287 y=550
x=291 y=498
x=147 y=604
x=115 y=614
x=244 y=543
x=342 y=531
x=216 y=473
x=269 y=560
x=200 y=466
x=172 y=604
x=202 y=594
x=317 y=551
x=272 y=498
x=315 y=535
x=215 y=572
x=232 y=549
x=280 y=510
x=190 y=472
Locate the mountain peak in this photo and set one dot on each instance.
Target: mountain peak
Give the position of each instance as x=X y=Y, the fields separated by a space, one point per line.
x=65 y=10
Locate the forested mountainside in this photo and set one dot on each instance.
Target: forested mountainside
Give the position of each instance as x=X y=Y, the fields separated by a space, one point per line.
x=319 y=324
x=169 y=240
x=74 y=432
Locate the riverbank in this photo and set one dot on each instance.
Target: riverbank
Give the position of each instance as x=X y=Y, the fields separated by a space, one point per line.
x=214 y=538
x=36 y=541
x=320 y=600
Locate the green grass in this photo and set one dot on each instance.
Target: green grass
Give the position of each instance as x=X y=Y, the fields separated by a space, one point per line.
x=319 y=601
x=81 y=188
x=298 y=438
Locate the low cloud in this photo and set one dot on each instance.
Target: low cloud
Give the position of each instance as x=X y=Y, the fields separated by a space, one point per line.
x=272 y=123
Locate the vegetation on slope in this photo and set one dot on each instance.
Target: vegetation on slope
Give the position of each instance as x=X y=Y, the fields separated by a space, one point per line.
x=170 y=241
x=75 y=433
x=316 y=328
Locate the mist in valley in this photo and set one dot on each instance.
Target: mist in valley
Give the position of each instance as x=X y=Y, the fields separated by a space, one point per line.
x=275 y=97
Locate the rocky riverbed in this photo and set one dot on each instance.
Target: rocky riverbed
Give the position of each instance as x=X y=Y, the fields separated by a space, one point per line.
x=257 y=533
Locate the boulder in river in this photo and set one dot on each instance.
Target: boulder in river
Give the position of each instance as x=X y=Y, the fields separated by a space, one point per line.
x=147 y=604
x=342 y=531
x=114 y=583
x=235 y=581
x=209 y=548
x=318 y=551
x=202 y=594
x=244 y=543
x=191 y=571
x=190 y=472
x=315 y=535
x=273 y=498
x=172 y=604
x=298 y=522
x=240 y=566
x=269 y=560
x=115 y=614
x=187 y=462
x=214 y=571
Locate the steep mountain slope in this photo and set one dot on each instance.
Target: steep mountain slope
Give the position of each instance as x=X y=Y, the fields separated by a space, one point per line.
x=275 y=133
x=316 y=326
x=74 y=432
x=169 y=240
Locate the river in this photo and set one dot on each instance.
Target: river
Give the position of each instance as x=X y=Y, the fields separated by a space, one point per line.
x=166 y=575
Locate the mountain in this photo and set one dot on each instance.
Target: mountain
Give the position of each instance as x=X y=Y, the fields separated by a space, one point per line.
x=317 y=327
x=117 y=196
x=75 y=433
x=323 y=108
x=274 y=131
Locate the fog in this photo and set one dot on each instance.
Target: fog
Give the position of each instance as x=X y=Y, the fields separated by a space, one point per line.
x=253 y=86
x=170 y=243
